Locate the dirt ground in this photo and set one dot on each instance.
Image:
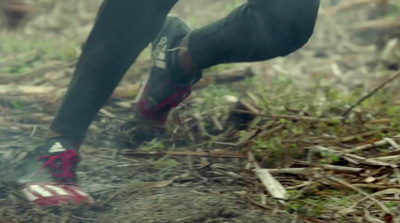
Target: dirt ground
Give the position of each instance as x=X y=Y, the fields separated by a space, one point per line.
x=332 y=71
x=137 y=190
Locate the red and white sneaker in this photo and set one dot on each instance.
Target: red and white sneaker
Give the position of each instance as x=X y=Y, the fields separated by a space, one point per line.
x=48 y=175
x=168 y=84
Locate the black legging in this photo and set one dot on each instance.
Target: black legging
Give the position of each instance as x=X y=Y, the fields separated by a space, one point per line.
x=258 y=30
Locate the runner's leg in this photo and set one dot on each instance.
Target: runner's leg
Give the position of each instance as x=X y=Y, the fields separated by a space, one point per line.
x=258 y=30
x=122 y=30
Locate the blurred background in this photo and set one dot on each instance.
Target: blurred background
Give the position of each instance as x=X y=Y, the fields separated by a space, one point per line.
x=354 y=43
x=352 y=39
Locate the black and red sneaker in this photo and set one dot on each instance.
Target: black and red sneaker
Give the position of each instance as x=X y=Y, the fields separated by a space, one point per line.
x=168 y=84
x=48 y=175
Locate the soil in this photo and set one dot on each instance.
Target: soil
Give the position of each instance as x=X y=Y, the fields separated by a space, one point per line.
x=135 y=190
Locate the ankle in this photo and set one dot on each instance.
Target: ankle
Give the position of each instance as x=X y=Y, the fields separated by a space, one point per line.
x=185 y=59
x=53 y=134
x=186 y=62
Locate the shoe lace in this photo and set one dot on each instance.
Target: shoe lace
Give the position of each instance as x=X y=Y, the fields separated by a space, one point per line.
x=175 y=99
x=62 y=165
x=171 y=102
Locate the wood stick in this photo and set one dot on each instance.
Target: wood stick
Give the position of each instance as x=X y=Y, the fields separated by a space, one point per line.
x=389 y=158
x=126 y=92
x=342 y=168
x=128 y=152
x=354 y=158
x=357 y=136
x=273 y=186
x=366 y=146
x=376 y=186
x=25 y=90
x=296 y=171
x=366 y=195
x=332 y=167
x=293 y=117
x=346 y=113
x=385 y=24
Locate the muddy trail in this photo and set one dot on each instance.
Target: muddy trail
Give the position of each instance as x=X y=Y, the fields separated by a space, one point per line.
x=138 y=190
x=320 y=126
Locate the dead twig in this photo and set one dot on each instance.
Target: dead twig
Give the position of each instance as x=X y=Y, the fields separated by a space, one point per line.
x=389 y=158
x=366 y=195
x=368 y=216
x=346 y=113
x=373 y=199
x=366 y=146
x=296 y=171
x=273 y=186
x=354 y=158
x=376 y=186
x=293 y=117
x=182 y=153
x=342 y=168
x=358 y=136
